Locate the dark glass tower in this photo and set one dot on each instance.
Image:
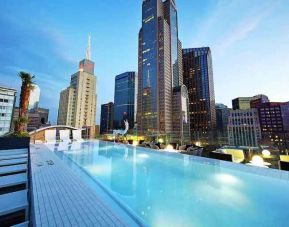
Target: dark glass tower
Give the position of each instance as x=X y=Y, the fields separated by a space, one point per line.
x=159 y=67
x=106 y=118
x=124 y=100
x=198 y=77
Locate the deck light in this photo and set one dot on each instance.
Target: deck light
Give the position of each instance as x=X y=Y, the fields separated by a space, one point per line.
x=266 y=153
x=135 y=143
x=169 y=148
x=161 y=140
x=257 y=160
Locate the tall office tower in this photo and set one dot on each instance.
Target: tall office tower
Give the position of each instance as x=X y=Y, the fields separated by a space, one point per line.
x=106 y=118
x=181 y=121
x=159 y=67
x=274 y=121
x=198 y=77
x=34 y=98
x=124 y=99
x=244 y=103
x=7 y=103
x=77 y=105
x=244 y=128
x=222 y=115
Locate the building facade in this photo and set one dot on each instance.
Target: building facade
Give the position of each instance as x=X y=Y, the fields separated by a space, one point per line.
x=222 y=117
x=106 y=118
x=244 y=128
x=77 y=105
x=124 y=100
x=244 y=103
x=198 y=77
x=159 y=67
x=7 y=103
x=34 y=97
x=274 y=121
x=181 y=122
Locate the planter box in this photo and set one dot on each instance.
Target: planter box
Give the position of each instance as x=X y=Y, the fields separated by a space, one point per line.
x=7 y=143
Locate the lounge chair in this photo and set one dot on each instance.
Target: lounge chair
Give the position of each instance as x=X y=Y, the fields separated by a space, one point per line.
x=284 y=158
x=283 y=165
x=196 y=151
x=221 y=156
x=9 y=170
x=14 y=208
x=237 y=154
x=77 y=135
x=50 y=136
x=65 y=135
x=11 y=162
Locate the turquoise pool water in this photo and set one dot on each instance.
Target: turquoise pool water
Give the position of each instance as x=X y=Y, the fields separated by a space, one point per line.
x=165 y=189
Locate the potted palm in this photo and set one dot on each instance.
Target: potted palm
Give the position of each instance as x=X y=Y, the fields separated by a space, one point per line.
x=20 y=137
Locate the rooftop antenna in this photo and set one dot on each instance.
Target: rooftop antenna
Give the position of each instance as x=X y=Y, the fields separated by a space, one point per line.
x=88 y=51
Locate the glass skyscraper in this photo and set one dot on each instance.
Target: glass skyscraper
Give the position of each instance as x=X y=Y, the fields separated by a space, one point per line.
x=159 y=67
x=198 y=77
x=124 y=100
x=106 y=118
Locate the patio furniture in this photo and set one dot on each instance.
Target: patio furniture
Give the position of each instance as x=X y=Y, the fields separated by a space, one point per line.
x=65 y=135
x=221 y=156
x=283 y=165
x=77 y=135
x=284 y=158
x=50 y=136
x=238 y=155
x=13 y=152
x=196 y=151
x=14 y=208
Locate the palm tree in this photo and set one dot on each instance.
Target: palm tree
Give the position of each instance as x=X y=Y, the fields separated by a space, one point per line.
x=26 y=87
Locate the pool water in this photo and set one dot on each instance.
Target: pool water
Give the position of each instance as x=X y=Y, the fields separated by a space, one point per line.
x=165 y=189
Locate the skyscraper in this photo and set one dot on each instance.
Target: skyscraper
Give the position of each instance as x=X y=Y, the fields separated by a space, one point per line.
x=106 y=118
x=77 y=105
x=222 y=115
x=124 y=99
x=159 y=67
x=198 y=77
x=244 y=103
x=34 y=98
x=7 y=103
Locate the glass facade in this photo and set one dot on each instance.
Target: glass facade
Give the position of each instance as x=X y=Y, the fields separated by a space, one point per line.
x=34 y=98
x=198 y=77
x=106 y=118
x=124 y=100
x=7 y=102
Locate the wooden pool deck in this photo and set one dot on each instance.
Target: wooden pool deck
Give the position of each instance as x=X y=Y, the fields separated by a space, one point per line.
x=61 y=197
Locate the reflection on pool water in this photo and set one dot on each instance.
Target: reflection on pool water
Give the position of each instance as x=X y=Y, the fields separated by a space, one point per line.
x=168 y=189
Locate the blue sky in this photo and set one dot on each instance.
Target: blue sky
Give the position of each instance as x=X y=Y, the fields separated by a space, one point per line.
x=249 y=41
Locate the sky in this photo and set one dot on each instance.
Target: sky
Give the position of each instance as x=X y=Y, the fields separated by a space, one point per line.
x=249 y=40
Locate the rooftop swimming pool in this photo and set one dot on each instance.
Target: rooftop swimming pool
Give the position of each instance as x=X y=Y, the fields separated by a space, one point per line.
x=169 y=189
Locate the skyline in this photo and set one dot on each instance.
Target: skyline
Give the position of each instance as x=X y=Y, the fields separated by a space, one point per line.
x=230 y=28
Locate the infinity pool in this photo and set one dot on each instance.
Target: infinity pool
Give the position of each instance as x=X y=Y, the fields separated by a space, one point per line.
x=165 y=189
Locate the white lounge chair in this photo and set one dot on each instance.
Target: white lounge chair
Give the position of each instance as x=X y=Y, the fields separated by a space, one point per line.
x=77 y=135
x=65 y=135
x=50 y=136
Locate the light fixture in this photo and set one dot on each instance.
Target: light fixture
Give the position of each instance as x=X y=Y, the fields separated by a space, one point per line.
x=161 y=140
x=257 y=160
x=266 y=153
x=169 y=148
x=135 y=143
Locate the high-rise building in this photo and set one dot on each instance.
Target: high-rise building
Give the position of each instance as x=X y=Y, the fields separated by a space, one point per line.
x=159 y=67
x=77 y=105
x=244 y=128
x=106 y=118
x=198 y=77
x=181 y=122
x=222 y=116
x=7 y=103
x=244 y=103
x=34 y=97
x=124 y=100
x=274 y=121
